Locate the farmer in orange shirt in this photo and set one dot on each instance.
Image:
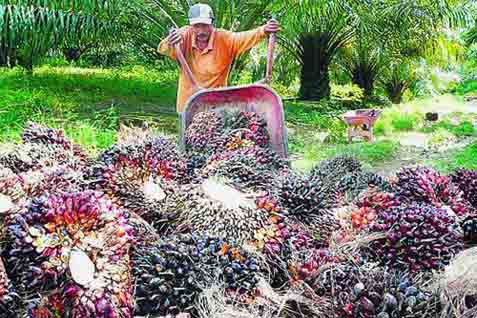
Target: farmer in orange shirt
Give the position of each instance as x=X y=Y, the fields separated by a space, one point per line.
x=209 y=52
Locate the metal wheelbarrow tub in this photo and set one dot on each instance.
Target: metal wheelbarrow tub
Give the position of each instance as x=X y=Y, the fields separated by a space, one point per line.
x=258 y=98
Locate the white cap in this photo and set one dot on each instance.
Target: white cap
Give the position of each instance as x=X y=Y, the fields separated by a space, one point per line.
x=201 y=13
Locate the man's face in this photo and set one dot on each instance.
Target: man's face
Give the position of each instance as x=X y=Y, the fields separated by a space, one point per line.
x=202 y=31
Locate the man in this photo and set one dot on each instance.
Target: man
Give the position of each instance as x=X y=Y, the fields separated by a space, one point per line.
x=209 y=52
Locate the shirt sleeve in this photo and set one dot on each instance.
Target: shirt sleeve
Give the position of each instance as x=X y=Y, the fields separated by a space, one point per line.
x=167 y=50
x=244 y=41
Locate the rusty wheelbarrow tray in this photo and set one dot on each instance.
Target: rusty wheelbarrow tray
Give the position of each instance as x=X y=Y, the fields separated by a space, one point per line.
x=259 y=98
x=361 y=122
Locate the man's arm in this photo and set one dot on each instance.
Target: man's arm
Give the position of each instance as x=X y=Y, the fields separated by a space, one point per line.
x=165 y=47
x=244 y=41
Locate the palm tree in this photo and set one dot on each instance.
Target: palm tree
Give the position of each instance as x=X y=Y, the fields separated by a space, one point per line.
x=30 y=28
x=390 y=30
x=314 y=32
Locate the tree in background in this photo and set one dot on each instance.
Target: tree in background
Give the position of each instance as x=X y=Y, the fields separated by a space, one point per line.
x=314 y=32
x=31 y=28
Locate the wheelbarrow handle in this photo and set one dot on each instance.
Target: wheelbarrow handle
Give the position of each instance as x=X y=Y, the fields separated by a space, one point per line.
x=271 y=48
x=183 y=63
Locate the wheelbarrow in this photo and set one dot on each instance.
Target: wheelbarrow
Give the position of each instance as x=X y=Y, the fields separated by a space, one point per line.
x=360 y=123
x=259 y=98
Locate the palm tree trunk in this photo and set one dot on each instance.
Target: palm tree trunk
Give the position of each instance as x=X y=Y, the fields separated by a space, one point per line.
x=395 y=91
x=364 y=80
x=314 y=79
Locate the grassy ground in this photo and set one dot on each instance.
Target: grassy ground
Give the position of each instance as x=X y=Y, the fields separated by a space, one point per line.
x=89 y=103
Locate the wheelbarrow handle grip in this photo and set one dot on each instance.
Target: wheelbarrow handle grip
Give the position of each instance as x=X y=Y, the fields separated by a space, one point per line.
x=185 y=66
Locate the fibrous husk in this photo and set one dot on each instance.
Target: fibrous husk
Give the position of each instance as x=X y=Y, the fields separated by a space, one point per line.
x=457 y=286
x=220 y=210
x=271 y=303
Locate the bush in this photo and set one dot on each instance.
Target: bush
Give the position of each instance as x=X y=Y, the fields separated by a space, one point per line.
x=404 y=122
x=350 y=96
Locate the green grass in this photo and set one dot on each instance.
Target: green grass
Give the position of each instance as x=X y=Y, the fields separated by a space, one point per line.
x=466 y=159
x=370 y=153
x=88 y=103
x=466 y=87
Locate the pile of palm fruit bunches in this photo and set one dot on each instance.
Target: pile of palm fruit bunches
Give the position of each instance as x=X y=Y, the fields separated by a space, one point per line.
x=145 y=227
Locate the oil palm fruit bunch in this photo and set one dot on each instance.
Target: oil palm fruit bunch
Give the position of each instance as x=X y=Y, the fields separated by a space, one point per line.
x=466 y=180
x=243 y=171
x=77 y=243
x=171 y=273
x=9 y=299
x=28 y=157
x=263 y=157
x=35 y=133
x=309 y=202
x=272 y=237
x=205 y=132
x=377 y=292
x=247 y=126
x=355 y=183
x=332 y=171
x=469 y=227
x=369 y=205
x=303 y=197
x=219 y=210
x=305 y=265
x=422 y=184
x=417 y=237
x=164 y=159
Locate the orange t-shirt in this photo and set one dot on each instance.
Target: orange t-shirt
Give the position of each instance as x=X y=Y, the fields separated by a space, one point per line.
x=211 y=67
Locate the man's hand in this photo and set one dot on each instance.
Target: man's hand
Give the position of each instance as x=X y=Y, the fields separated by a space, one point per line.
x=272 y=26
x=174 y=37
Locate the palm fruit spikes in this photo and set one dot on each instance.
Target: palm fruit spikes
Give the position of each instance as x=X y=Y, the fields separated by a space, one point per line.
x=426 y=185
x=29 y=157
x=242 y=171
x=416 y=238
x=171 y=273
x=220 y=210
x=332 y=171
x=303 y=197
x=77 y=243
x=37 y=134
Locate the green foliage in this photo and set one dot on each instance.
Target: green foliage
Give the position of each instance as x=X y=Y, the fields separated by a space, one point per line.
x=371 y=153
x=464 y=128
x=32 y=28
x=349 y=94
x=466 y=159
x=404 y=122
x=466 y=87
